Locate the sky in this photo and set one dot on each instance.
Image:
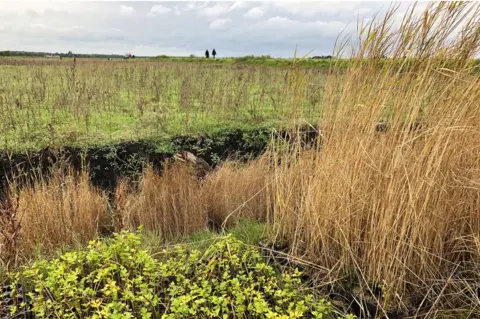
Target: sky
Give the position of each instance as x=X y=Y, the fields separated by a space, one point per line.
x=233 y=28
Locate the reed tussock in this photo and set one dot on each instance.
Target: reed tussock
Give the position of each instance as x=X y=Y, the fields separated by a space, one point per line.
x=170 y=204
x=175 y=203
x=237 y=191
x=63 y=210
x=66 y=210
x=401 y=204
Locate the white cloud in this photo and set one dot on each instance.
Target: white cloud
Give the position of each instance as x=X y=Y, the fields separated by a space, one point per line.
x=241 y=4
x=218 y=24
x=311 y=8
x=158 y=10
x=215 y=11
x=192 y=6
x=177 y=11
x=254 y=13
x=61 y=26
x=363 y=12
x=126 y=10
x=218 y=10
x=289 y=26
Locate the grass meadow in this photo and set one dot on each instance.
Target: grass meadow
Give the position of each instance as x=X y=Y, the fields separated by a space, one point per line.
x=390 y=215
x=94 y=102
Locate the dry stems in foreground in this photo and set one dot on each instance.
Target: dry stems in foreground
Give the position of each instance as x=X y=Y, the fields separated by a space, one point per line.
x=237 y=191
x=401 y=205
x=63 y=210
x=169 y=204
x=175 y=203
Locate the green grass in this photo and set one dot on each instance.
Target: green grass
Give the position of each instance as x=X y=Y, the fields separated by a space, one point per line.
x=258 y=60
x=96 y=102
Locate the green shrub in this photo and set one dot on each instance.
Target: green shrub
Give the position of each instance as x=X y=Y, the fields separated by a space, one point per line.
x=115 y=278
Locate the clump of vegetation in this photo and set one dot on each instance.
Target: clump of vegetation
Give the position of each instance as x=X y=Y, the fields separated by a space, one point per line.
x=169 y=205
x=397 y=204
x=63 y=209
x=116 y=278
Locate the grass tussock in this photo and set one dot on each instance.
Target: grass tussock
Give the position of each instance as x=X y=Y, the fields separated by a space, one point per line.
x=66 y=210
x=169 y=204
x=237 y=192
x=176 y=203
x=401 y=205
x=61 y=211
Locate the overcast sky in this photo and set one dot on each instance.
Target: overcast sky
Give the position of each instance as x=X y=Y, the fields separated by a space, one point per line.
x=233 y=28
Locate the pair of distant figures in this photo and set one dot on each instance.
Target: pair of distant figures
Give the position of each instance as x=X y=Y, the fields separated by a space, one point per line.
x=207 y=54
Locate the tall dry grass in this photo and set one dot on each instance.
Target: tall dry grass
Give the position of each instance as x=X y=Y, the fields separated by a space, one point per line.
x=402 y=206
x=176 y=203
x=237 y=191
x=62 y=210
x=66 y=210
x=169 y=204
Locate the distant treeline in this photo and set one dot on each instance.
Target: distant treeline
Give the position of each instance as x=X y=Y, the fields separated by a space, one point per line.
x=314 y=61
x=317 y=61
x=63 y=55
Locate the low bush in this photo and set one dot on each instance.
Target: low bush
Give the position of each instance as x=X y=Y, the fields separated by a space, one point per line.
x=116 y=278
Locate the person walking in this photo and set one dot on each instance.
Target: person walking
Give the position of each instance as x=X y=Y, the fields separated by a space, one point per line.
x=207 y=55
x=214 y=53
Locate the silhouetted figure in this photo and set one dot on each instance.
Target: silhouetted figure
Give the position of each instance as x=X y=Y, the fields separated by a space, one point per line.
x=207 y=55
x=214 y=53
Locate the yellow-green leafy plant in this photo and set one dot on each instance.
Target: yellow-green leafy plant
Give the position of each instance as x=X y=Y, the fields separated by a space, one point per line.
x=116 y=278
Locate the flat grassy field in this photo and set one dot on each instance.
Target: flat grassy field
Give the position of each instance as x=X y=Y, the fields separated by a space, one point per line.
x=47 y=102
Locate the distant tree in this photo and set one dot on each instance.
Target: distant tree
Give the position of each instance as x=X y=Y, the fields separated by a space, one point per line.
x=321 y=57
x=207 y=55
x=70 y=54
x=214 y=53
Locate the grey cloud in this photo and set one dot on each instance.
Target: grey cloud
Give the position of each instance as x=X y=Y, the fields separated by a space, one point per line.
x=126 y=10
x=179 y=28
x=219 y=24
x=159 y=9
x=254 y=13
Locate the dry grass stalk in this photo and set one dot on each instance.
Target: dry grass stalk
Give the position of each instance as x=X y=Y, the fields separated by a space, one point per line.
x=9 y=231
x=237 y=188
x=65 y=210
x=401 y=205
x=169 y=204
